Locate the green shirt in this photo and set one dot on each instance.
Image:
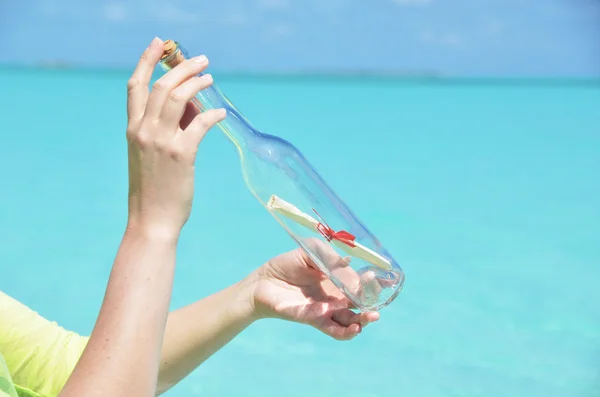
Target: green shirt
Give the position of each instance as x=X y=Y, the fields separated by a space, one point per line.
x=7 y=389
x=38 y=354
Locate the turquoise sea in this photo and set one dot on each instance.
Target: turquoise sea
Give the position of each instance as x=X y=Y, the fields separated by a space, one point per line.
x=486 y=191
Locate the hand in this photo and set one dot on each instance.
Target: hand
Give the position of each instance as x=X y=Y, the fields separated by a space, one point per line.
x=290 y=287
x=163 y=133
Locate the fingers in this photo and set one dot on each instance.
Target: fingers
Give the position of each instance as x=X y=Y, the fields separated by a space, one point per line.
x=326 y=254
x=370 y=286
x=338 y=266
x=340 y=332
x=346 y=317
x=367 y=318
x=199 y=126
x=345 y=324
x=163 y=87
x=350 y=278
x=137 y=86
x=305 y=257
x=190 y=112
x=177 y=100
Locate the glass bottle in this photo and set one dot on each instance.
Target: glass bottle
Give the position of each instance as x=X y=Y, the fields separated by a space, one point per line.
x=283 y=181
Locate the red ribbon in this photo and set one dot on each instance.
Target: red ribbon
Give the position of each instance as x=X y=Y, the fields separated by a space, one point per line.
x=330 y=234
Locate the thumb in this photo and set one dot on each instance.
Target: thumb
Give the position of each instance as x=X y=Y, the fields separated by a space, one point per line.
x=190 y=112
x=199 y=126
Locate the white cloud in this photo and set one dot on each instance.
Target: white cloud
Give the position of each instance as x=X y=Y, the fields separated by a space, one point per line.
x=451 y=39
x=54 y=8
x=494 y=28
x=119 y=11
x=115 y=12
x=48 y=7
x=279 y=30
x=234 y=18
x=412 y=3
x=273 y=4
x=444 y=39
x=171 y=12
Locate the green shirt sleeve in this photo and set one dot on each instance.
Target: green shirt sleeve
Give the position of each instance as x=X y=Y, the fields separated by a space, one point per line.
x=39 y=354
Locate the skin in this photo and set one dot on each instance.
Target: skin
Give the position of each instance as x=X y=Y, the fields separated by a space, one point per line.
x=138 y=348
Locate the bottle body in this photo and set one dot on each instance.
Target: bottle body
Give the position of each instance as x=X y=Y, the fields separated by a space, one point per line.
x=288 y=187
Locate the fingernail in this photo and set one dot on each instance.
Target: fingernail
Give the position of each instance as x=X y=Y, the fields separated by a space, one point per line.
x=154 y=42
x=200 y=59
x=223 y=112
x=207 y=77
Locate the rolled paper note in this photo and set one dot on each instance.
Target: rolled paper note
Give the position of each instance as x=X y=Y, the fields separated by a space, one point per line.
x=343 y=240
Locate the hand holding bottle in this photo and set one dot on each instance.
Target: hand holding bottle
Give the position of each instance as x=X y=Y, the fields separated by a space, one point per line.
x=292 y=288
x=163 y=134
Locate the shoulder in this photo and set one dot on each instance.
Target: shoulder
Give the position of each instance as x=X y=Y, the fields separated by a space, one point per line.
x=40 y=354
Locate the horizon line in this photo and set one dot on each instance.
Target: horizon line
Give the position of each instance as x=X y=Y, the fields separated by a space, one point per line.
x=323 y=73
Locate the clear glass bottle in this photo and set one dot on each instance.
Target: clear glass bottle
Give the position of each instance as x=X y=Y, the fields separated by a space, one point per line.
x=284 y=182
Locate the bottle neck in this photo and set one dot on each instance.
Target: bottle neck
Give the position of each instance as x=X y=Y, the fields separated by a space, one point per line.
x=235 y=126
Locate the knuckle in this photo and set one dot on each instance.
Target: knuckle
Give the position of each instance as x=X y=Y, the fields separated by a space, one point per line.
x=185 y=153
x=133 y=124
x=175 y=97
x=200 y=124
x=130 y=132
x=167 y=148
x=143 y=140
x=159 y=85
x=174 y=152
x=132 y=83
x=203 y=123
x=145 y=57
x=161 y=145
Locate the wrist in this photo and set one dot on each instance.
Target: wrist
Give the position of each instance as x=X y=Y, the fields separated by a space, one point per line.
x=152 y=232
x=245 y=298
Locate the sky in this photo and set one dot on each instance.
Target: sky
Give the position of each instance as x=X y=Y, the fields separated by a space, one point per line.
x=489 y=38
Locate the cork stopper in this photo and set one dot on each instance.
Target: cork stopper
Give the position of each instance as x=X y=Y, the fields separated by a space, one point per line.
x=172 y=56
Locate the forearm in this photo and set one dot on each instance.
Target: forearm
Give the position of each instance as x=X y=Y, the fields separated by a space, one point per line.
x=197 y=331
x=123 y=353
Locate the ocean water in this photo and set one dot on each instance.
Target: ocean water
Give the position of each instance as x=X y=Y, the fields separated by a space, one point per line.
x=487 y=192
